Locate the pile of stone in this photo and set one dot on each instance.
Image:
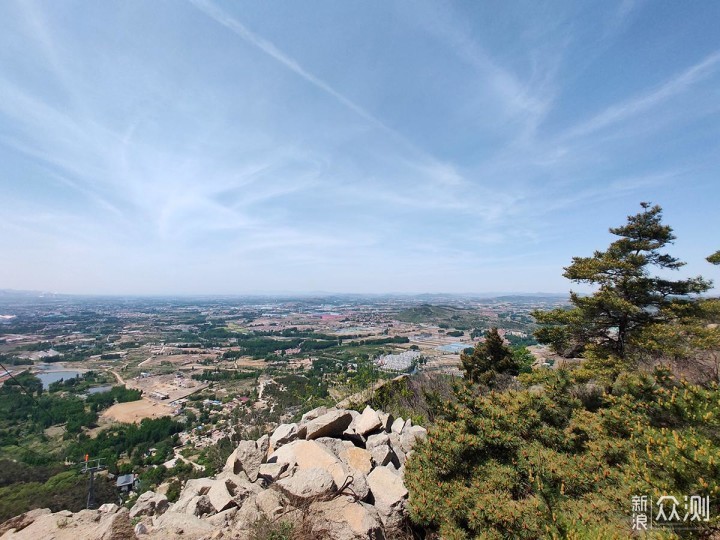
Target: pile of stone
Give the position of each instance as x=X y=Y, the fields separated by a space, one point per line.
x=336 y=474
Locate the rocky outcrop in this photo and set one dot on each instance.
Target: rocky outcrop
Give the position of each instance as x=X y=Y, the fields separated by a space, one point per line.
x=389 y=495
x=64 y=525
x=330 y=424
x=307 y=484
x=247 y=457
x=147 y=504
x=337 y=474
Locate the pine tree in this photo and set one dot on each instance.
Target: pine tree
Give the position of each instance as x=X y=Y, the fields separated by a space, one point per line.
x=488 y=359
x=628 y=298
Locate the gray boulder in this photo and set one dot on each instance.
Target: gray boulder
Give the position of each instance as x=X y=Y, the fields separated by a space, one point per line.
x=390 y=496
x=246 y=457
x=220 y=497
x=248 y=514
x=263 y=445
x=367 y=422
x=312 y=415
x=307 y=484
x=149 y=504
x=382 y=455
x=303 y=454
x=336 y=446
x=386 y=421
x=286 y=433
x=330 y=424
x=271 y=471
x=342 y=519
x=270 y=502
x=108 y=508
x=358 y=459
x=193 y=489
x=410 y=435
x=379 y=439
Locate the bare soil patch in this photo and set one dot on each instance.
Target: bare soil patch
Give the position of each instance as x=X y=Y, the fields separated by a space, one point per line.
x=135 y=411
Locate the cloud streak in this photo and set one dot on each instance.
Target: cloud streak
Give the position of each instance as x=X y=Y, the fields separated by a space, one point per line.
x=627 y=109
x=131 y=163
x=222 y=17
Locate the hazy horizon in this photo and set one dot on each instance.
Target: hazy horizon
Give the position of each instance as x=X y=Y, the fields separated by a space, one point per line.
x=287 y=294
x=212 y=148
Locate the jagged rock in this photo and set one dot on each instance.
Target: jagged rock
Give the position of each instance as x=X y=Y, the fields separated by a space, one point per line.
x=336 y=446
x=286 y=454
x=270 y=502
x=307 y=484
x=220 y=497
x=359 y=487
x=386 y=421
x=221 y=519
x=88 y=515
x=193 y=489
x=323 y=483
x=107 y=508
x=246 y=457
x=308 y=455
x=200 y=506
x=389 y=495
x=396 y=445
x=174 y=525
x=149 y=504
x=367 y=422
x=410 y=436
x=239 y=486
x=358 y=459
x=312 y=415
x=286 y=433
x=23 y=520
x=263 y=445
x=64 y=525
x=118 y=527
x=330 y=424
x=382 y=455
x=355 y=438
x=341 y=519
x=379 y=439
x=248 y=514
x=271 y=471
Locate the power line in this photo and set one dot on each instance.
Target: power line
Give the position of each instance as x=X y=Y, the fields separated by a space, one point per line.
x=88 y=468
x=21 y=385
x=37 y=403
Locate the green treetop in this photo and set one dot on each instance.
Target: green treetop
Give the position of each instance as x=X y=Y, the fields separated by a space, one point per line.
x=488 y=359
x=628 y=298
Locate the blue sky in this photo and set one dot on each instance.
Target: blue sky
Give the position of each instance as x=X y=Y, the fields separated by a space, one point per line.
x=239 y=147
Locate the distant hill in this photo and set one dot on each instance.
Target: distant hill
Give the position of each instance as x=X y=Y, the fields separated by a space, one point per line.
x=454 y=317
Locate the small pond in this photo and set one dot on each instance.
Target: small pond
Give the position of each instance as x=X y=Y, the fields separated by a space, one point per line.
x=48 y=377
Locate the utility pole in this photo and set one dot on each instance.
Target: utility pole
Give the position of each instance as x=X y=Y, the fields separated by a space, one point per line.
x=88 y=467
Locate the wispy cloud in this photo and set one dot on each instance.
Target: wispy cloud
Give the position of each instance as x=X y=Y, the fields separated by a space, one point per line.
x=267 y=47
x=443 y=151
x=640 y=104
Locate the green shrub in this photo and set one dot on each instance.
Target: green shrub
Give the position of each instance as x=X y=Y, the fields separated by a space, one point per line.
x=529 y=463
